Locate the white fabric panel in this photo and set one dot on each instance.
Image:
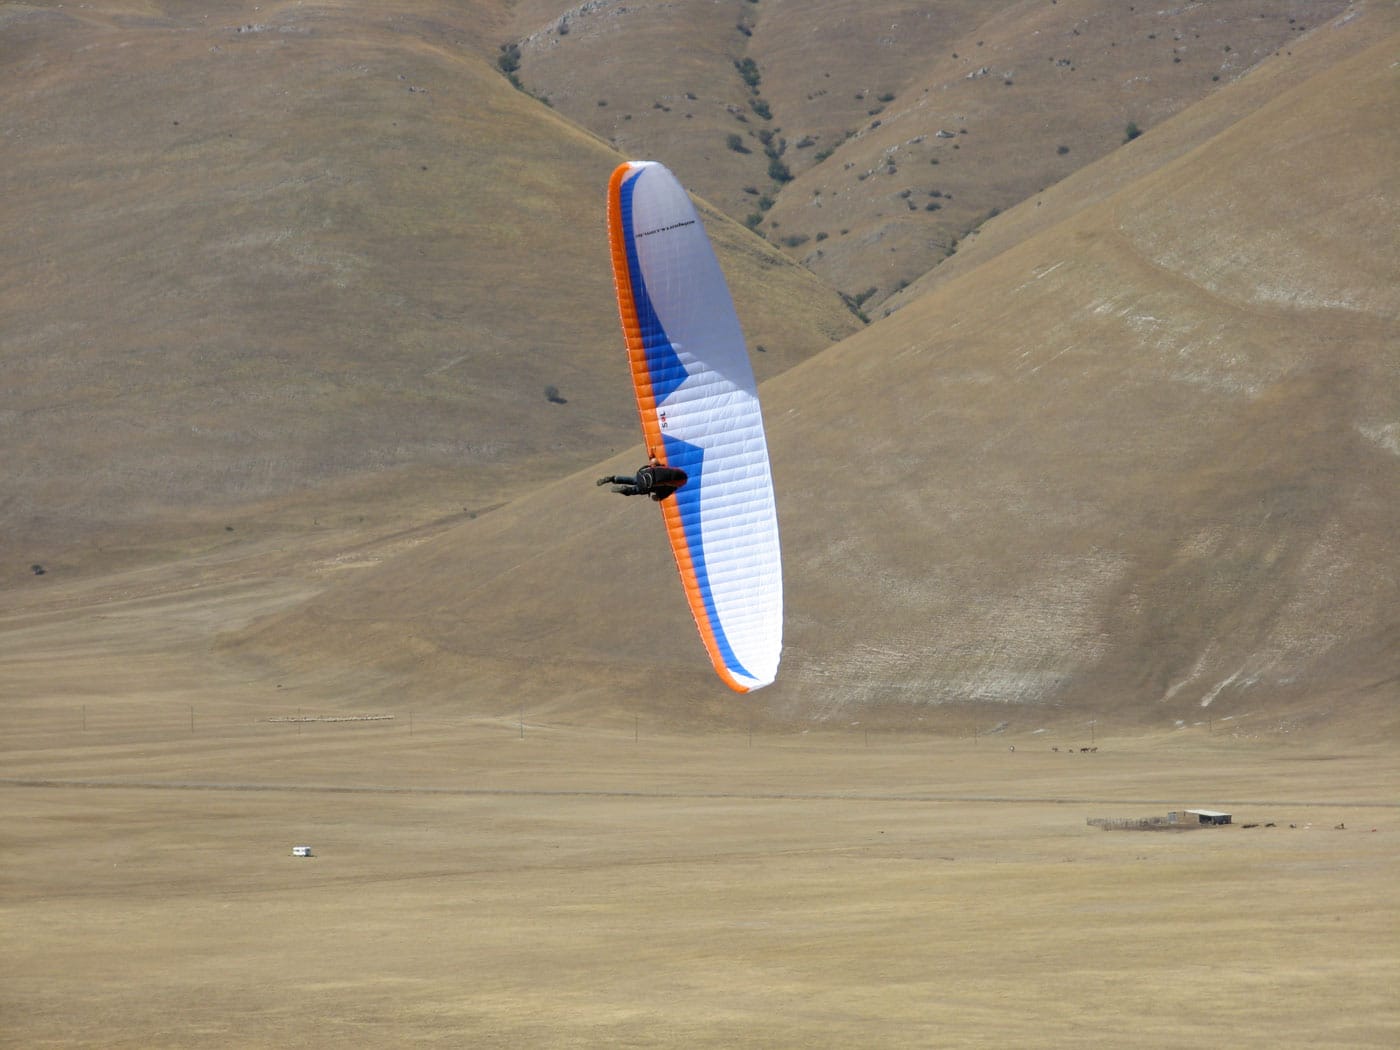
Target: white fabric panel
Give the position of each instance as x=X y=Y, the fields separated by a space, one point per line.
x=711 y=426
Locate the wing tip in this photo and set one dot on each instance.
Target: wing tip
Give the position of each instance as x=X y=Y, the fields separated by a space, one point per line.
x=745 y=683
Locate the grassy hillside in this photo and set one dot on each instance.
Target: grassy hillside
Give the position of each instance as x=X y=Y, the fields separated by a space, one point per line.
x=286 y=248
x=287 y=333
x=1153 y=443
x=868 y=139
x=1331 y=42
x=1142 y=464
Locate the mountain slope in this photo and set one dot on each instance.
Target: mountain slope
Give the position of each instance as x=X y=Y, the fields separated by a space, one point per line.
x=1160 y=446
x=869 y=138
x=290 y=248
x=1142 y=465
x=1326 y=43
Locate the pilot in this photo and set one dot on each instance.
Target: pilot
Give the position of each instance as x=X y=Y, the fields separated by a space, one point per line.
x=655 y=480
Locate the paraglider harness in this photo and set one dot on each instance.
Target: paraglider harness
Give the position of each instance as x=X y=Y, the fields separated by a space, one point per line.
x=658 y=482
x=654 y=480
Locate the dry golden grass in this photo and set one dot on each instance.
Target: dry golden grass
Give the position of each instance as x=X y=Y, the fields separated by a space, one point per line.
x=471 y=886
x=1141 y=463
x=518 y=880
x=288 y=250
x=1189 y=516
x=857 y=92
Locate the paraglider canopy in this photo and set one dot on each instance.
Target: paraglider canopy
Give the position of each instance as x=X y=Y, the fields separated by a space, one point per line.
x=699 y=410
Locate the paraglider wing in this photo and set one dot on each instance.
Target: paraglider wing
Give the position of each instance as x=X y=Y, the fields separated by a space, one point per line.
x=700 y=412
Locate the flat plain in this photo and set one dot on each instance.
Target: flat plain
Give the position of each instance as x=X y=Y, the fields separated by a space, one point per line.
x=513 y=880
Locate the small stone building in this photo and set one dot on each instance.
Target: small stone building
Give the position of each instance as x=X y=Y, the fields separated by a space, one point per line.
x=1209 y=816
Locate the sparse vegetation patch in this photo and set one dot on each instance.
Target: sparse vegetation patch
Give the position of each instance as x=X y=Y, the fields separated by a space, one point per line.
x=508 y=62
x=748 y=70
